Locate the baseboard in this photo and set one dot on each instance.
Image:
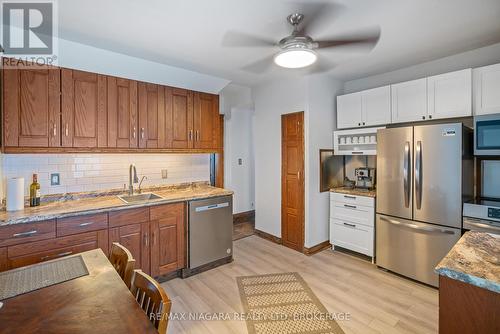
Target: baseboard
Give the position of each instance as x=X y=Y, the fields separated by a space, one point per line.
x=244 y=217
x=316 y=249
x=267 y=236
x=186 y=272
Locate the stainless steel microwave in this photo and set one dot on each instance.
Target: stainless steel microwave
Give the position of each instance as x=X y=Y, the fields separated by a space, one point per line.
x=487 y=135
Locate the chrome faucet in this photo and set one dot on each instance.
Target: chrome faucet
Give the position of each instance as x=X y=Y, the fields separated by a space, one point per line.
x=132 y=179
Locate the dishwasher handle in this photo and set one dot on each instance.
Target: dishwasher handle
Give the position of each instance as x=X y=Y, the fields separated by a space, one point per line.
x=211 y=207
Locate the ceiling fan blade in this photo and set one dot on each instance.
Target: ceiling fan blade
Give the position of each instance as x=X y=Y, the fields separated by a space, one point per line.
x=260 y=66
x=316 y=13
x=360 y=40
x=322 y=65
x=241 y=39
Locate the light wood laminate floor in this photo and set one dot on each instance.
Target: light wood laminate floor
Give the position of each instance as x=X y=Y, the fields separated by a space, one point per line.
x=377 y=301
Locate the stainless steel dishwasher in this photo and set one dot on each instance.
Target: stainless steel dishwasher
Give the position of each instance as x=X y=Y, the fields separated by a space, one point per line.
x=210 y=230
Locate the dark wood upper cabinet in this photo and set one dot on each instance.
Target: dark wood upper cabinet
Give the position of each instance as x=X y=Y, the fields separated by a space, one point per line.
x=206 y=120
x=31 y=107
x=152 y=127
x=84 y=109
x=179 y=120
x=123 y=129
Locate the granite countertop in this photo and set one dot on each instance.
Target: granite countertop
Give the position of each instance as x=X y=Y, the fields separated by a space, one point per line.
x=95 y=202
x=475 y=259
x=354 y=191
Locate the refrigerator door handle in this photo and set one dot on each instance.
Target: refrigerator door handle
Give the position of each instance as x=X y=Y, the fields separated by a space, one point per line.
x=418 y=175
x=416 y=227
x=406 y=174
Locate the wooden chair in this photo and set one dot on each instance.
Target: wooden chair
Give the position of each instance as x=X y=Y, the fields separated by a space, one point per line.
x=123 y=261
x=152 y=299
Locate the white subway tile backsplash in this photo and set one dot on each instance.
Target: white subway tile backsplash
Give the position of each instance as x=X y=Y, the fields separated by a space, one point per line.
x=91 y=172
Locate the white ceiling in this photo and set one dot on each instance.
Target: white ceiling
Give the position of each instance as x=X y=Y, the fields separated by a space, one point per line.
x=189 y=33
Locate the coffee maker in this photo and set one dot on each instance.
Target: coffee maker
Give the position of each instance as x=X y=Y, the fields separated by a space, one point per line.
x=365 y=178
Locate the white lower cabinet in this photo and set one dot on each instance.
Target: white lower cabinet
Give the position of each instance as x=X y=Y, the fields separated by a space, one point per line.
x=352 y=222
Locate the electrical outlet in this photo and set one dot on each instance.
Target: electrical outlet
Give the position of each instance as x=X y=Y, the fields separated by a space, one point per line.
x=164 y=174
x=55 y=179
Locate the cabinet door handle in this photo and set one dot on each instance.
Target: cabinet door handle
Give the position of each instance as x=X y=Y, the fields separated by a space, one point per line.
x=190 y=134
x=25 y=234
x=55 y=130
x=153 y=236
x=350 y=225
x=43 y=258
x=350 y=197
x=66 y=131
x=350 y=206
x=197 y=135
x=85 y=224
x=146 y=239
x=133 y=133
x=142 y=133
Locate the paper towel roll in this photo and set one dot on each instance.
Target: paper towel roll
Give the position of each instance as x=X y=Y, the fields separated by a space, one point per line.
x=15 y=194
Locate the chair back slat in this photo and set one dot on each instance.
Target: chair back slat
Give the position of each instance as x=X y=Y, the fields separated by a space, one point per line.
x=152 y=299
x=123 y=262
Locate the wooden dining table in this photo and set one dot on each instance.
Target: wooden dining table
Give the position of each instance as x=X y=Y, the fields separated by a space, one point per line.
x=96 y=303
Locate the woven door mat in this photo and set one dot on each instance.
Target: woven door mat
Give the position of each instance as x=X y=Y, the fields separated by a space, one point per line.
x=23 y=280
x=283 y=303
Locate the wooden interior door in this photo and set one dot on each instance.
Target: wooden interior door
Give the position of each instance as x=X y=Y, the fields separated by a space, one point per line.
x=84 y=110
x=122 y=113
x=135 y=238
x=151 y=99
x=167 y=239
x=206 y=120
x=179 y=119
x=31 y=107
x=292 y=180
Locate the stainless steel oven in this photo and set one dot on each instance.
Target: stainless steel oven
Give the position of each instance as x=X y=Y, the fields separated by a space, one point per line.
x=487 y=135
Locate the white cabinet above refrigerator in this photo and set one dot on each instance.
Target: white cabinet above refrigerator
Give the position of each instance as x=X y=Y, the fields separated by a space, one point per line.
x=356 y=141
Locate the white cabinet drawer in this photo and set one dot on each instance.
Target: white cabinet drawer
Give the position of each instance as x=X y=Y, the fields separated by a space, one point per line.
x=353 y=213
x=353 y=199
x=358 y=238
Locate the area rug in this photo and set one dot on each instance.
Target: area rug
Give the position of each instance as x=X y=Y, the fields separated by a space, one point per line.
x=283 y=303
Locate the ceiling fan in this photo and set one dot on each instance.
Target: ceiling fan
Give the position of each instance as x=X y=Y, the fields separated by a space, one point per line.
x=299 y=50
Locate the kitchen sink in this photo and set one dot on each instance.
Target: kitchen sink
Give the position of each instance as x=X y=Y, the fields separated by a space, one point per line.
x=138 y=198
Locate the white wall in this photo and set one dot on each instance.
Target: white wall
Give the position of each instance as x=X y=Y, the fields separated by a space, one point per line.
x=237 y=106
x=321 y=122
x=474 y=58
x=271 y=101
x=92 y=172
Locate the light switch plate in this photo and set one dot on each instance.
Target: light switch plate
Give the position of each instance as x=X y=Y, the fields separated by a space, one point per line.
x=164 y=174
x=55 y=179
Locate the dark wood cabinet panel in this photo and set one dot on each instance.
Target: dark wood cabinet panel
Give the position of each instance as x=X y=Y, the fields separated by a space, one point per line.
x=23 y=233
x=167 y=239
x=122 y=113
x=84 y=109
x=31 y=107
x=179 y=118
x=80 y=224
x=127 y=217
x=135 y=238
x=4 y=264
x=206 y=120
x=152 y=127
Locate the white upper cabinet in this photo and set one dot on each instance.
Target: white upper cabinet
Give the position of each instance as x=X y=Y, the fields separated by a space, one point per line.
x=450 y=95
x=376 y=106
x=366 y=108
x=409 y=101
x=487 y=90
x=349 y=111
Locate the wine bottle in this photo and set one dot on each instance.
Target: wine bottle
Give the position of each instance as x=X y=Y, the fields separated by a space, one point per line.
x=35 y=191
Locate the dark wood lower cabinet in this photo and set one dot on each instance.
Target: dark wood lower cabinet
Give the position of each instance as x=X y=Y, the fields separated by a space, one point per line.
x=155 y=236
x=467 y=309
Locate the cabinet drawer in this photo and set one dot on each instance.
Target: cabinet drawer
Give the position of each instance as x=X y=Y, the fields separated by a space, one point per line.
x=358 y=238
x=127 y=217
x=80 y=224
x=353 y=213
x=161 y=211
x=353 y=199
x=22 y=233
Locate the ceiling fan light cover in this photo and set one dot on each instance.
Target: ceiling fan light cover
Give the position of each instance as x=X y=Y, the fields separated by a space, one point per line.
x=295 y=58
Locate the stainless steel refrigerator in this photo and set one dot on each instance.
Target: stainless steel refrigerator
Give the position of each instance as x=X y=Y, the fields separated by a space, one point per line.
x=424 y=174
